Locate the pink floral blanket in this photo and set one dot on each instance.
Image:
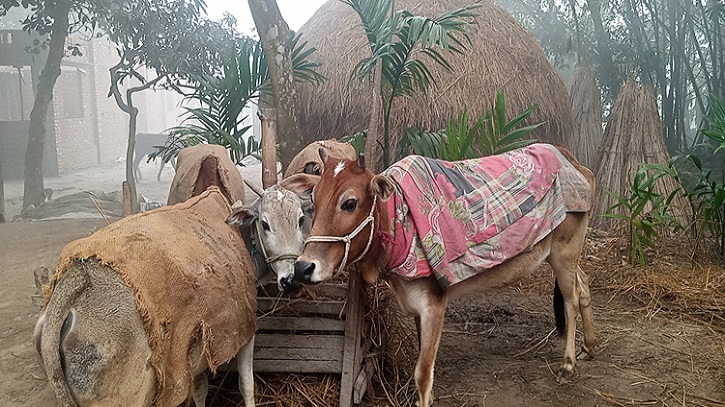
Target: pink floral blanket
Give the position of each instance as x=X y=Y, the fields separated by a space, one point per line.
x=455 y=219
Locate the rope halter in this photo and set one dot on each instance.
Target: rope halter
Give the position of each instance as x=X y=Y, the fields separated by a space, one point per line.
x=347 y=239
x=267 y=259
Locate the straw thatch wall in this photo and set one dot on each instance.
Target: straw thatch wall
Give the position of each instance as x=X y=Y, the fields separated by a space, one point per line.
x=633 y=137
x=586 y=106
x=503 y=55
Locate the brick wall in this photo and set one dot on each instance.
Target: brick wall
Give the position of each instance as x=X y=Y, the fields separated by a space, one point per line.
x=112 y=121
x=90 y=128
x=76 y=145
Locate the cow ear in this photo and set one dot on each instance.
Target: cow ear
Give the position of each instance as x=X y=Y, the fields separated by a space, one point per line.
x=323 y=155
x=382 y=186
x=300 y=184
x=243 y=215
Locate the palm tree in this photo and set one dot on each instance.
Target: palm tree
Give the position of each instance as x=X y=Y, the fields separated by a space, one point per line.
x=219 y=118
x=396 y=39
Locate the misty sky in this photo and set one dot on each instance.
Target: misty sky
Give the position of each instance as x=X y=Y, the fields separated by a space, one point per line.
x=295 y=12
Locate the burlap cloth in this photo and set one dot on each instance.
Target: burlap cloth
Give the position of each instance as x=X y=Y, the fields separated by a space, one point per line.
x=311 y=154
x=193 y=279
x=189 y=169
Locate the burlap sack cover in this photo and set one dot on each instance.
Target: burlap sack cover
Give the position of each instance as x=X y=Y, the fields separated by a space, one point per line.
x=192 y=277
x=188 y=167
x=311 y=154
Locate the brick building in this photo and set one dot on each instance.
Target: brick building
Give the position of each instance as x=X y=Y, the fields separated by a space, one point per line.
x=85 y=127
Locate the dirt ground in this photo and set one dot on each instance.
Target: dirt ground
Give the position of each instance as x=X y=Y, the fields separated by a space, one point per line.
x=496 y=351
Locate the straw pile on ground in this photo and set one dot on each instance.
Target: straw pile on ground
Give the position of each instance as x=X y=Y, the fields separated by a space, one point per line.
x=503 y=55
x=586 y=106
x=633 y=138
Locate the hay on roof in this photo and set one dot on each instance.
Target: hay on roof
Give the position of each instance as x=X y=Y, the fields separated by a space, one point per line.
x=503 y=55
x=586 y=106
x=633 y=137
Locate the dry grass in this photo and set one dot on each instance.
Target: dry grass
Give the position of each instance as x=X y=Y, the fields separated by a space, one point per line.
x=503 y=55
x=586 y=106
x=633 y=137
x=678 y=282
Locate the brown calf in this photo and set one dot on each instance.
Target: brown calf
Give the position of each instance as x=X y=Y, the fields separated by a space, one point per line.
x=350 y=213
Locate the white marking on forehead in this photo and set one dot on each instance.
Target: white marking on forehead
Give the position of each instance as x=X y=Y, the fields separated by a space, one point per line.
x=338 y=168
x=280 y=195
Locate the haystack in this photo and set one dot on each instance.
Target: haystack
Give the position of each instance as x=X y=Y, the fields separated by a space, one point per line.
x=586 y=107
x=633 y=137
x=503 y=55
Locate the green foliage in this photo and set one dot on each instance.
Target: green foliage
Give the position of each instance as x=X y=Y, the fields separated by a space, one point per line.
x=222 y=98
x=396 y=39
x=707 y=192
x=357 y=141
x=647 y=211
x=491 y=134
x=496 y=135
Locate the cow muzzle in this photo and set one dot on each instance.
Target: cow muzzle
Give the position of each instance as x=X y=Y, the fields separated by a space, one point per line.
x=304 y=270
x=290 y=285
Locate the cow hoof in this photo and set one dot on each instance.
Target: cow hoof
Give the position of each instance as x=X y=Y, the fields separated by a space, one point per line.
x=588 y=351
x=565 y=376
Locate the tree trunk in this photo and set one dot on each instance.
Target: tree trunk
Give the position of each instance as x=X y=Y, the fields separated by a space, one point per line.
x=373 y=153
x=2 y=195
x=610 y=73
x=276 y=38
x=130 y=148
x=128 y=107
x=33 y=187
x=269 y=150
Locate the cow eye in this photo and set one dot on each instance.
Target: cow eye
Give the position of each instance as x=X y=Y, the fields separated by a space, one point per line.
x=265 y=226
x=350 y=205
x=302 y=221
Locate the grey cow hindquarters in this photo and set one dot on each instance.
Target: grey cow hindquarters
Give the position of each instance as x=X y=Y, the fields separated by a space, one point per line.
x=103 y=357
x=136 y=331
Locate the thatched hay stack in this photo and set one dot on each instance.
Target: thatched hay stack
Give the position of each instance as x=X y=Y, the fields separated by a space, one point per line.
x=633 y=137
x=502 y=55
x=586 y=107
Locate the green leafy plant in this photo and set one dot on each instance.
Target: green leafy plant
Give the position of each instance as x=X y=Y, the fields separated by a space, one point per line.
x=219 y=117
x=491 y=134
x=647 y=211
x=707 y=191
x=495 y=135
x=396 y=40
x=707 y=197
x=357 y=141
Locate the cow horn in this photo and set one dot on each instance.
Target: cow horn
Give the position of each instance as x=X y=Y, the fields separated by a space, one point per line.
x=361 y=160
x=254 y=188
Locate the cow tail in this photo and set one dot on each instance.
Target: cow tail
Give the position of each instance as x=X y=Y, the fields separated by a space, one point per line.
x=559 y=312
x=67 y=290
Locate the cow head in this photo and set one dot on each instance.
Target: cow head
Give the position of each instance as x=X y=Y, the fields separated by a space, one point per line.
x=280 y=221
x=343 y=226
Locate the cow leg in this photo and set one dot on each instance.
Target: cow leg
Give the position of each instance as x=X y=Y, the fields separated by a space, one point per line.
x=431 y=328
x=417 y=328
x=564 y=256
x=245 y=359
x=200 y=390
x=585 y=308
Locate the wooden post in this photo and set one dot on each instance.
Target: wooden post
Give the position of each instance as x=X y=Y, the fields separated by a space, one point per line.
x=353 y=325
x=127 y=203
x=269 y=147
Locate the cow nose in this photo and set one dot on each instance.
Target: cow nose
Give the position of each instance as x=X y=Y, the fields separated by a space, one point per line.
x=304 y=270
x=289 y=285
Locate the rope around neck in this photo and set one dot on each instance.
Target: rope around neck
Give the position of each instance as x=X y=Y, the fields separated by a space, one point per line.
x=267 y=259
x=347 y=239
